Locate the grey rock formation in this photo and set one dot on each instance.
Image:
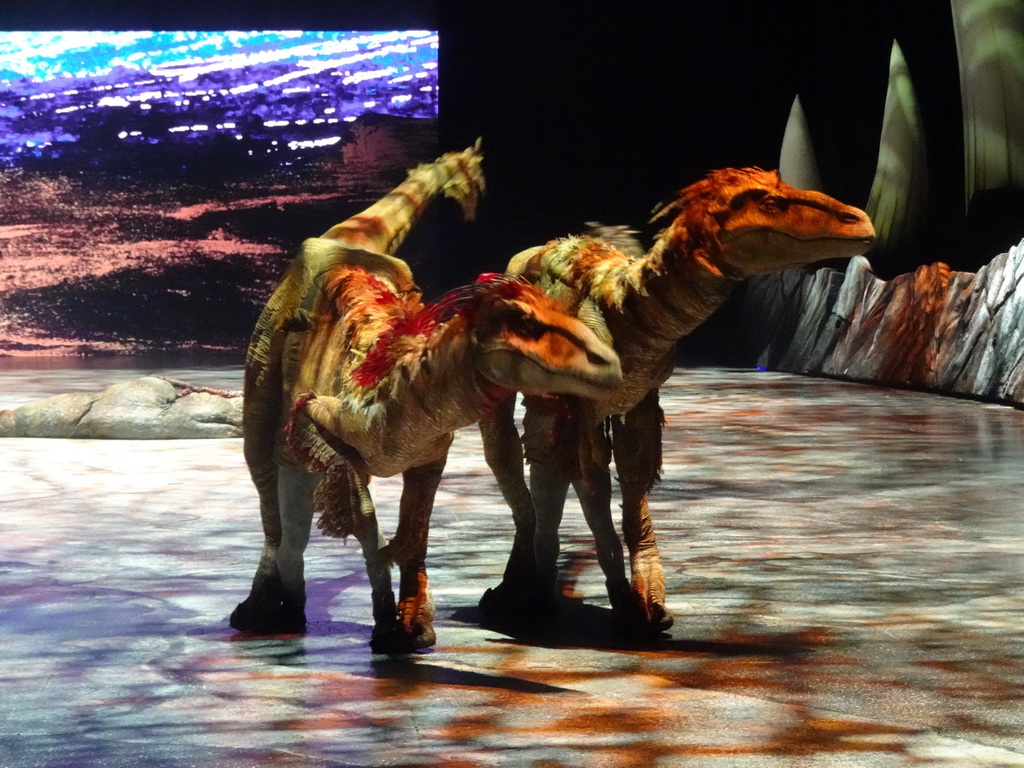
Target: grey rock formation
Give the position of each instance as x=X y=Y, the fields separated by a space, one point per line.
x=952 y=332
x=149 y=408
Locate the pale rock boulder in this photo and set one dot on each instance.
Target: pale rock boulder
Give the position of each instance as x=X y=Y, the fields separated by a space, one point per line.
x=149 y=408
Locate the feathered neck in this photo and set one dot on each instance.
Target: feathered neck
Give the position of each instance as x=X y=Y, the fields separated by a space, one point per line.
x=403 y=375
x=462 y=304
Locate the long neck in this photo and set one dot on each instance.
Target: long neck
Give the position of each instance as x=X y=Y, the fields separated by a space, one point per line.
x=648 y=302
x=674 y=288
x=384 y=225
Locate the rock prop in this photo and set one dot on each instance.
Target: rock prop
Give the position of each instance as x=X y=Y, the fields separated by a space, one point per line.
x=149 y=408
x=958 y=333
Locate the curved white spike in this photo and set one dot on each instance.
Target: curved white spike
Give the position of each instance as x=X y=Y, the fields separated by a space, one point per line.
x=899 y=191
x=990 y=51
x=798 y=165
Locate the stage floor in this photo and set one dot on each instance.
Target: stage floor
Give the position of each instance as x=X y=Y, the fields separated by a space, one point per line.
x=845 y=564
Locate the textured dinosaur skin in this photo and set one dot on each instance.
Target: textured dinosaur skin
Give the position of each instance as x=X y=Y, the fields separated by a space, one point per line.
x=349 y=374
x=733 y=224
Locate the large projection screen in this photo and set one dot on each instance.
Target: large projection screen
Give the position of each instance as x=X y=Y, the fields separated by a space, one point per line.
x=154 y=184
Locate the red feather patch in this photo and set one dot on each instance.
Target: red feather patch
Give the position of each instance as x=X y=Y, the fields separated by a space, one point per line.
x=460 y=302
x=294 y=435
x=384 y=295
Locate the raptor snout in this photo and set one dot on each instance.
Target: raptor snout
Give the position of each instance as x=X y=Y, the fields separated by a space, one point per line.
x=854 y=225
x=557 y=360
x=776 y=231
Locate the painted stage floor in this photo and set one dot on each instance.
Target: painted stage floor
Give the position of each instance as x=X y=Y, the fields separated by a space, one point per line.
x=845 y=565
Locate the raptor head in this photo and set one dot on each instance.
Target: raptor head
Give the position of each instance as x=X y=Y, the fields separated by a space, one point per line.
x=749 y=221
x=528 y=342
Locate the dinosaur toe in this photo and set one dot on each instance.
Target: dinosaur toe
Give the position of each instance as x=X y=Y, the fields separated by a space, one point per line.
x=393 y=639
x=259 y=616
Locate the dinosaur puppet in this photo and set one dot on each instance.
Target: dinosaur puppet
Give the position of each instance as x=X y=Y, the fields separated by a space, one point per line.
x=349 y=375
x=732 y=224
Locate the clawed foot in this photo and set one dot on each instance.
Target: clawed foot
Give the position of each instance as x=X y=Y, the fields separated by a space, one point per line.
x=642 y=620
x=394 y=639
x=394 y=636
x=635 y=615
x=268 y=615
x=510 y=600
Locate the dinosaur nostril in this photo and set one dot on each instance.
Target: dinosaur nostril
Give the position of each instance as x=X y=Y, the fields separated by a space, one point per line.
x=848 y=218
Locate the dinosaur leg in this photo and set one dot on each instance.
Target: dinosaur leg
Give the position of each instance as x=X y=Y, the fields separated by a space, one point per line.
x=503 y=450
x=530 y=577
x=549 y=485
x=277 y=600
x=637 y=447
x=378 y=566
x=593 y=488
x=261 y=608
x=412 y=628
x=295 y=490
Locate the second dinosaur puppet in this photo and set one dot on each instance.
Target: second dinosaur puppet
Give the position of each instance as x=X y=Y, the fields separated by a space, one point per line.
x=733 y=224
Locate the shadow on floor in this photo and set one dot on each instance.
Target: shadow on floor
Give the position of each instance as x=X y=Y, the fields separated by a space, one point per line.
x=578 y=624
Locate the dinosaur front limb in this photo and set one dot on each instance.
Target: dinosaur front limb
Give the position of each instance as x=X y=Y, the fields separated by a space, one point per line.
x=636 y=440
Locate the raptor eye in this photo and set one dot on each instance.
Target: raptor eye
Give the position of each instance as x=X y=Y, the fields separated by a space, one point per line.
x=772 y=204
x=750 y=195
x=527 y=326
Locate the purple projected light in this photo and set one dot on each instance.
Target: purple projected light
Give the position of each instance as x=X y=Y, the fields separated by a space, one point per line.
x=154 y=184
x=62 y=92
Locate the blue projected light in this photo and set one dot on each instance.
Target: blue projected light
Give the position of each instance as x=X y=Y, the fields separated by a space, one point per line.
x=155 y=87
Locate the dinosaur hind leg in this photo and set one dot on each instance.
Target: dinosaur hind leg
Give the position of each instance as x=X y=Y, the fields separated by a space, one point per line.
x=411 y=627
x=593 y=488
x=636 y=442
x=372 y=543
x=277 y=599
x=346 y=507
x=504 y=453
x=548 y=487
x=528 y=584
x=264 y=597
x=295 y=490
x=259 y=611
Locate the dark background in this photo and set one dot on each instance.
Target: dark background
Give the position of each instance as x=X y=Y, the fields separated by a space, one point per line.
x=599 y=110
